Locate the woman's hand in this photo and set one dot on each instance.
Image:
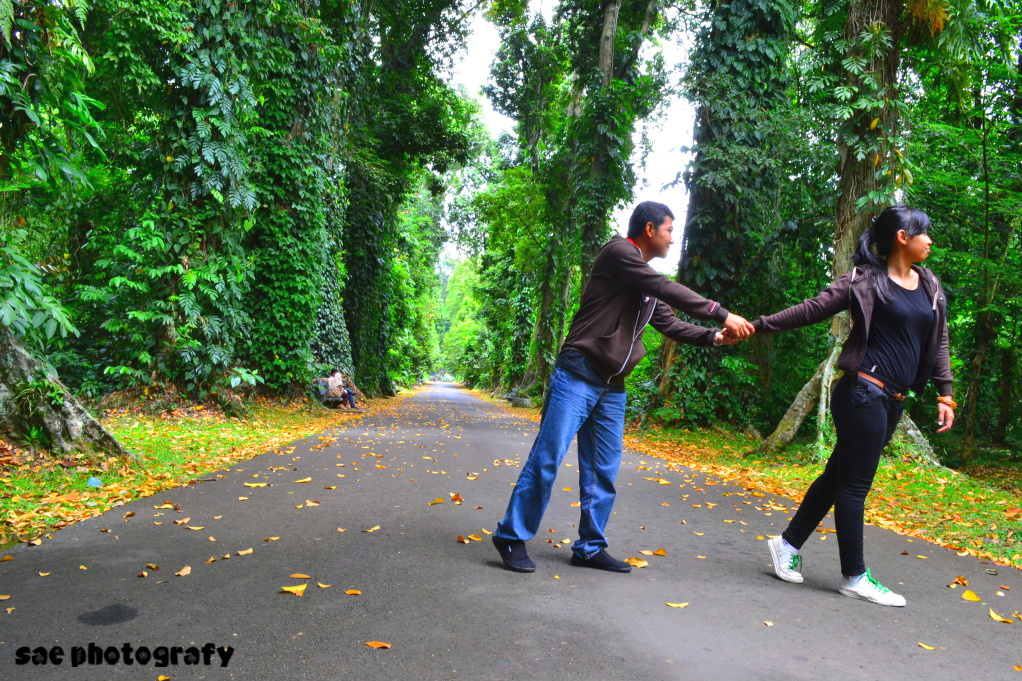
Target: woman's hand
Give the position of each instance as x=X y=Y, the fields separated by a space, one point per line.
x=945 y=417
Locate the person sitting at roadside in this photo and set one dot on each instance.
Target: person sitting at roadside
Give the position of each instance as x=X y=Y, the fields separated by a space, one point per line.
x=351 y=391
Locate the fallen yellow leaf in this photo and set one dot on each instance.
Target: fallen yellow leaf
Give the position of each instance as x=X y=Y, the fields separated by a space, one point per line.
x=185 y=571
x=164 y=505
x=637 y=562
x=6 y=558
x=372 y=529
x=299 y=575
x=195 y=527
x=438 y=500
x=303 y=480
x=926 y=647
x=660 y=552
x=475 y=537
x=255 y=484
x=45 y=574
x=677 y=605
x=768 y=623
x=82 y=567
x=970 y=596
x=297 y=589
x=270 y=538
x=242 y=498
x=321 y=585
x=161 y=677
x=378 y=644
x=152 y=566
x=353 y=592
x=4 y=597
x=997 y=618
x=245 y=552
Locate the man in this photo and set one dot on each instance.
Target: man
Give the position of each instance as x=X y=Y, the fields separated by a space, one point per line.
x=586 y=395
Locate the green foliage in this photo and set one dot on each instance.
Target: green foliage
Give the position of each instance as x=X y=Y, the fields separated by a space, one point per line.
x=46 y=114
x=27 y=308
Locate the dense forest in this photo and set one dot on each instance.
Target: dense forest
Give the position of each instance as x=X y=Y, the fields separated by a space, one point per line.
x=203 y=200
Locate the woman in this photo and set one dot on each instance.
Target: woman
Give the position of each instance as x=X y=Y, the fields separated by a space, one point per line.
x=898 y=341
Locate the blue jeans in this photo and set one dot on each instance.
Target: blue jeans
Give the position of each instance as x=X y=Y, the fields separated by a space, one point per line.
x=350 y=395
x=597 y=415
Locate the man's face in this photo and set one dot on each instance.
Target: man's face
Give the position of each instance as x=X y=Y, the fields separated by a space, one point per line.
x=660 y=238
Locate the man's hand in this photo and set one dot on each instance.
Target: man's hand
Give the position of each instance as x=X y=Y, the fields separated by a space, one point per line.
x=737 y=327
x=945 y=417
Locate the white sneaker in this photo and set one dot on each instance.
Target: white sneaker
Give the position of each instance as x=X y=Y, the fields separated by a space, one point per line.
x=869 y=589
x=787 y=563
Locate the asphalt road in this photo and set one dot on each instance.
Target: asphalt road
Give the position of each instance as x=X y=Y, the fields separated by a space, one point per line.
x=448 y=609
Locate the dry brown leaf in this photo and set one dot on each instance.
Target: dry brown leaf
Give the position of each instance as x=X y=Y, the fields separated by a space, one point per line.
x=184 y=572
x=961 y=580
x=378 y=644
x=462 y=540
x=297 y=589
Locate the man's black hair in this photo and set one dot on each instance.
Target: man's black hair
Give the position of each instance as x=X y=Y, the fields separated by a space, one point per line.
x=334 y=371
x=647 y=211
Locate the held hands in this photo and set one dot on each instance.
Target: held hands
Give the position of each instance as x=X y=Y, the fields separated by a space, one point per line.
x=735 y=329
x=945 y=417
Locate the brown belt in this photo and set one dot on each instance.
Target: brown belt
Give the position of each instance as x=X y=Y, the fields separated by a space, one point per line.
x=876 y=381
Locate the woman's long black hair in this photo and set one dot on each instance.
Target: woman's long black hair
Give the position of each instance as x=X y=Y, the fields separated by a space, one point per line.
x=876 y=242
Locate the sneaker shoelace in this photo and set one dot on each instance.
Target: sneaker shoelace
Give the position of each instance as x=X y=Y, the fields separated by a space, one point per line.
x=795 y=564
x=876 y=585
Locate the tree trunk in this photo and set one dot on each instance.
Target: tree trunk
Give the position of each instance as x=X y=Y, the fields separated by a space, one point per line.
x=611 y=11
x=34 y=402
x=856 y=178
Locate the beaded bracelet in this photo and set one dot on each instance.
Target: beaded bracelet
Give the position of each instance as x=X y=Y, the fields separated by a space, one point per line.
x=948 y=400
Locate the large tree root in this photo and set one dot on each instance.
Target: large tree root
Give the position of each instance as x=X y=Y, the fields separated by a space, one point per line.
x=34 y=402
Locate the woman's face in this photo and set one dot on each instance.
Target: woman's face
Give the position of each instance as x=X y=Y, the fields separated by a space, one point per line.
x=917 y=247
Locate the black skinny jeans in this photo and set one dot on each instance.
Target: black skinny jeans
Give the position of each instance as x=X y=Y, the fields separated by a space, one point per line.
x=865 y=416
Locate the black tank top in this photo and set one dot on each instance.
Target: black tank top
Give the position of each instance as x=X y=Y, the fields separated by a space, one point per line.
x=896 y=335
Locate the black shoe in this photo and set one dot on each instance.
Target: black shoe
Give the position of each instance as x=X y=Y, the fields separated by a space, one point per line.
x=514 y=555
x=601 y=561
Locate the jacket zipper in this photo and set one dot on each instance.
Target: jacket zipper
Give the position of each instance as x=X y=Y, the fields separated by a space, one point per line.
x=636 y=330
